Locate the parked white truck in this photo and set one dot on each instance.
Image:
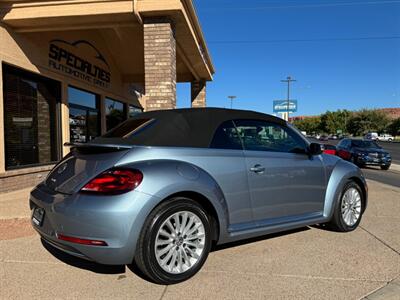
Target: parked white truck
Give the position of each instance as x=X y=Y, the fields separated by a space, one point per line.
x=385 y=138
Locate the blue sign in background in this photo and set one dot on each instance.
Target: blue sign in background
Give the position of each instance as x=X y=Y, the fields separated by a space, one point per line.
x=281 y=106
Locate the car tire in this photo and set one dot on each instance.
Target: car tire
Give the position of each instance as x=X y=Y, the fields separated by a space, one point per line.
x=385 y=167
x=342 y=219
x=354 y=161
x=188 y=253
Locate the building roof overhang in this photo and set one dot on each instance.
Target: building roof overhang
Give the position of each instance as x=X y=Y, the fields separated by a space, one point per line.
x=119 y=21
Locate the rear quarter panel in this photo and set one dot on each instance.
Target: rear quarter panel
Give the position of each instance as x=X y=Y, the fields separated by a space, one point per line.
x=221 y=179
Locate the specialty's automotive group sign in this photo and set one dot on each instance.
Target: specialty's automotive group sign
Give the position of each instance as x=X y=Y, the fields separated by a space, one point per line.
x=81 y=60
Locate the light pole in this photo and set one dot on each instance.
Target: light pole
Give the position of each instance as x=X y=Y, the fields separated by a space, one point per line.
x=232 y=98
x=288 y=81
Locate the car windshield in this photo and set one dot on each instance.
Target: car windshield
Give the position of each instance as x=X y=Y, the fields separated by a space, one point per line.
x=365 y=144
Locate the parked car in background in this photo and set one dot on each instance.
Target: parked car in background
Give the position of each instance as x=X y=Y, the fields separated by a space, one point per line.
x=364 y=152
x=333 y=137
x=371 y=136
x=162 y=187
x=323 y=138
x=385 y=138
x=329 y=149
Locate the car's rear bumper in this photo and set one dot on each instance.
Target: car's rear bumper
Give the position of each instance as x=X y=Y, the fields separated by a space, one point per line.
x=117 y=220
x=366 y=160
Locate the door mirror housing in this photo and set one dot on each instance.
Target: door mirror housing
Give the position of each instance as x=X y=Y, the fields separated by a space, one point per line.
x=314 y=149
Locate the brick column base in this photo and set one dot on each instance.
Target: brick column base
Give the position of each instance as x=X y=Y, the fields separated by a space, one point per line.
x=159 y=64
x=198 y=89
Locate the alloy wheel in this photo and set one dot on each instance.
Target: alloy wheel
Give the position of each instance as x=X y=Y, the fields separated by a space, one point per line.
x=180 y=242
x=351 y=206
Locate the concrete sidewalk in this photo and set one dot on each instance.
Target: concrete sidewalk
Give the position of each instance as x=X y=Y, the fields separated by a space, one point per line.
x=309 y=263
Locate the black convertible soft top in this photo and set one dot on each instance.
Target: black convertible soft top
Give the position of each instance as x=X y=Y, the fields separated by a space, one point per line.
x=194 y=127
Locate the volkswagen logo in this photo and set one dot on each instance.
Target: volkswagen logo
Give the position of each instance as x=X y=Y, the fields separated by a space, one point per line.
x=62 y=168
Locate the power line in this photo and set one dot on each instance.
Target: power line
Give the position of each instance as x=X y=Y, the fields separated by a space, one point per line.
x=302 y=5
x=304 y=40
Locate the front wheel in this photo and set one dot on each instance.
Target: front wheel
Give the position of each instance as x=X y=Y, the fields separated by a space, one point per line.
x=175 y=241
x=349 y=208
x=387 y=167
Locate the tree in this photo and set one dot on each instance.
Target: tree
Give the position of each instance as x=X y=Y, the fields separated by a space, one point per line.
x=309 y=125
x=333 y=121
x=394 y=127
x=365 y=121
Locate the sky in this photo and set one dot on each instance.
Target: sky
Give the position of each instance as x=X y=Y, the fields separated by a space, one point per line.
x=344 y=54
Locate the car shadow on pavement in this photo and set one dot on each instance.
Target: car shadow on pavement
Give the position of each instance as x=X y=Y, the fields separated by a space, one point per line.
x=216 y=248
x=121 y=269
x=82 y=263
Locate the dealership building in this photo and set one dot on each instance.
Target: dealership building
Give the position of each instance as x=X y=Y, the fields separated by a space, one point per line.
x=71 y=70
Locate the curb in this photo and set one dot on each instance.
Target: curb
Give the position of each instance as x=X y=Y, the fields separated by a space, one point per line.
x=395 y=167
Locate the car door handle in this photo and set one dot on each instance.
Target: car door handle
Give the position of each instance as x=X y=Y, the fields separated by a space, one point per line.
x=257 y=169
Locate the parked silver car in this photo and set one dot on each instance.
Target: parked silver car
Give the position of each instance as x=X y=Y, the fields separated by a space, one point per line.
x=160 y=188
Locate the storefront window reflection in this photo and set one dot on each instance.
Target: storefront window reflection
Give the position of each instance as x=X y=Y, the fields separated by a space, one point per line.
x=84 y=120
x=115 y=113
x=133 y=111
x=30 y=118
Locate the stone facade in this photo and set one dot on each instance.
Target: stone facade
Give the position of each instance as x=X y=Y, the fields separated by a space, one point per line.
x=21 y=179
x=159 y=64
x=198 y=92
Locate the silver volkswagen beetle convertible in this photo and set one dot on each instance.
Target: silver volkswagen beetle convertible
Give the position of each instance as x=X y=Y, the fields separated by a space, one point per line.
x=162 y=187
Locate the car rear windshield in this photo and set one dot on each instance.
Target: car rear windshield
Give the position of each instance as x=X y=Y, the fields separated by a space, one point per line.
x=365 y=144
x=130 y=128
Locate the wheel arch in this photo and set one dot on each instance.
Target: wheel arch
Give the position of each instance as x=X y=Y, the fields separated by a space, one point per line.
x=206 y=204
x=341 y=174
x=364 y=190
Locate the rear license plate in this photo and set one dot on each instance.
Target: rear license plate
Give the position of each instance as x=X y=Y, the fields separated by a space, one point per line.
x=38 y=216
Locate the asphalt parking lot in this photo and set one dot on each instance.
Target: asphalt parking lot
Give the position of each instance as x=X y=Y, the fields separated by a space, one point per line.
x=309 y=263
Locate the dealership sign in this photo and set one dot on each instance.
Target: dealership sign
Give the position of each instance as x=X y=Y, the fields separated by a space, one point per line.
x=81 y=60
x=282 y=106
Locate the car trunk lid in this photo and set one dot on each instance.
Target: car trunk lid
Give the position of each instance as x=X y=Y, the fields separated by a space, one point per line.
x=84 y=162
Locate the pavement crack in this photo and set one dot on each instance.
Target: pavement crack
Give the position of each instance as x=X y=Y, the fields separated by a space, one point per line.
x=164 y=291
x=380 y=240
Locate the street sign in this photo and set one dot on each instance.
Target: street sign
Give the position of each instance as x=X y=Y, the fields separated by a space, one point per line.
x=281 y=106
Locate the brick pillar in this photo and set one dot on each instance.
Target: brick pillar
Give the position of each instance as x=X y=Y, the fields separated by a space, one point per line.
x=198 y=91
x=44 y=129
x=159 y=64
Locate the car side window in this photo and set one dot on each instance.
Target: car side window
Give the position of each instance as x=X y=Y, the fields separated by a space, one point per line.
x=260 y=135
x=226 y=137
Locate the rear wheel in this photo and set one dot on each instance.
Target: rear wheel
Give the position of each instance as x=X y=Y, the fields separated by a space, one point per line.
x=175 y=241
x=354 y=161
x=349 y=208
x=387 y=167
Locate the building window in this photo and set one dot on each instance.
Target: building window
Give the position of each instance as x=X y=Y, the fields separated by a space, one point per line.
x=31 y=118
x=84 y=115
x=133 y=111
x=115 y=113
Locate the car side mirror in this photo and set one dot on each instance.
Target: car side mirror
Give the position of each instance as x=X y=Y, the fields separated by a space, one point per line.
x=314 y=149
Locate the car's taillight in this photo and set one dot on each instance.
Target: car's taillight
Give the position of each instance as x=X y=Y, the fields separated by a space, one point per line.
x=114 y=181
